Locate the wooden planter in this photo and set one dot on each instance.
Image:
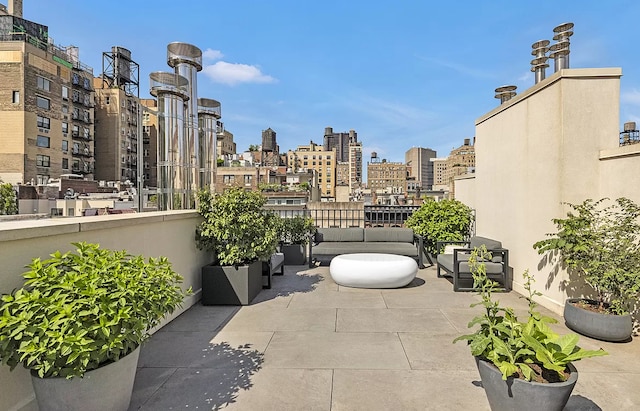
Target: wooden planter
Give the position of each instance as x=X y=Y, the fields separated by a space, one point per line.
x=231 y=285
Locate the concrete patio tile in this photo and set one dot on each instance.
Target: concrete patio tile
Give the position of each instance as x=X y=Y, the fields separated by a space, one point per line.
x=249 y=340
x=286 y=390
x=188 y=349
x=605 y=391
x=336 y=299
x=416 y=390
x=201 y=318
x=269 y=318
x=335 y=350
x=459 y=318
x=437 y=352
x=202 y=388
x=148 y=382
x=427 y=320
x=427 y=300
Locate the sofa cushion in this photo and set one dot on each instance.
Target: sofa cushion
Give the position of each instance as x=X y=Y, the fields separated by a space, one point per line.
x=390 y=234
x=339 y=234
x=338 y=248
x=490 y=244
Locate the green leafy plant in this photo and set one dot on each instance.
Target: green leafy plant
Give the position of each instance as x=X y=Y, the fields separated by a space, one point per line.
x=8 y=199
x=445 y=220
x=297 y=230
x=236 y=227
x=529 y=350
x=600 y=244
x=80 y=310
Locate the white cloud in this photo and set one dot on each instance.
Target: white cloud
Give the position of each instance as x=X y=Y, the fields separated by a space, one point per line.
x=211 y=55
x=235 y=73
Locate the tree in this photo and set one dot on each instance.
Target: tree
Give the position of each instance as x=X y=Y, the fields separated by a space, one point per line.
x=446 y=220
x=8 y=199
x=253 y=147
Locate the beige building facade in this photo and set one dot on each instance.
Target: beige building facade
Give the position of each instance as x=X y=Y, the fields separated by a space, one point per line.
x=556 y=142
x=387 y=177
x=314 y=157
x=117 y=134
x=46 y=111
x=226 y=145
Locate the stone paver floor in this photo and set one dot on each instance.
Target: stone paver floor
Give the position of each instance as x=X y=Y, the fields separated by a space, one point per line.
x=309 y=344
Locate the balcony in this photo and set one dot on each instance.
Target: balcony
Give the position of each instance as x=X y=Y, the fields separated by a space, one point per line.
x=339 y=347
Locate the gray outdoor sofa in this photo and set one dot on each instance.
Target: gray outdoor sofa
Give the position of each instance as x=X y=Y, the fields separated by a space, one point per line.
x=330 y=242
x=457 y=266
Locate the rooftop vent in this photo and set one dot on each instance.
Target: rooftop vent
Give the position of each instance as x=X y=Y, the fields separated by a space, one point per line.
x=539 y=63
x=505 y=93
x=560 y=50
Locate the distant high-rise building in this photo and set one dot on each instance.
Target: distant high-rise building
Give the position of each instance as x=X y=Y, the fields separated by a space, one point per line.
x=461 y=160
x=150 y=142
x=46 y=104
x=439 y=173
x=226 y=145
x=420 y=166
x=339 y=142
x=387 y=177
x=323 y=162
x=355 y=165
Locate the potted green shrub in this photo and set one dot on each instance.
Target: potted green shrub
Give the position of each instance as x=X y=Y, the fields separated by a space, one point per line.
x=242 y=234
x=445 y=220
x=295 y=235
x=522 y=365
x=599 y=243
x=79 y=321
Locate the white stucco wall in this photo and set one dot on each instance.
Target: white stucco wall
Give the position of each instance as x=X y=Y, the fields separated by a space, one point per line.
x=544 y=147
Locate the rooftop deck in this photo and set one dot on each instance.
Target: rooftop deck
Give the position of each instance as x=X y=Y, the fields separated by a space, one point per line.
x=309 y=344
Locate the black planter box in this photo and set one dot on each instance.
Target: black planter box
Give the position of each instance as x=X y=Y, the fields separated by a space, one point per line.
x=230 y=285
x=294 y=254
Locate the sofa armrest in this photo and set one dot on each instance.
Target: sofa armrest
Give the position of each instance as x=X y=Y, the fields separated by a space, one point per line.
x=440 y=244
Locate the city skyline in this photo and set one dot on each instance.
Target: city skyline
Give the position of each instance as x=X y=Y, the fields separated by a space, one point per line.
x=407 y=75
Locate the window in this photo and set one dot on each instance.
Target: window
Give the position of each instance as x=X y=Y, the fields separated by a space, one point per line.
x=42 y=141
x=65 y=93
x=146 y=129
x=247 y=180
x=228 y=179
x=146 y=152
x=15 y=97
x=42 y=179
x=65 y=146
x=76 y=131
x=42 y=161
x=43 y=102
x=44 y=122
x=65 y=163
x=44 y=84
x=76 y=148
x=76 y=165
x=76 y=113
x=107 y=100
x=65 y=127
x=65 y=108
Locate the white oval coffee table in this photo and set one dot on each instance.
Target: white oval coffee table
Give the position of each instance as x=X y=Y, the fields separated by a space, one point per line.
x=373 y=270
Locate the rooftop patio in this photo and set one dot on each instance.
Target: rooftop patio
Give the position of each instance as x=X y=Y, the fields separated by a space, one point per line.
x=309 y=344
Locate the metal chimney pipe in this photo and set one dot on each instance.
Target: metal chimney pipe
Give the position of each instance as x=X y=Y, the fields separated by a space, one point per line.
x=209 y=114
x=171 y=90
x=560 y=50
x=539 y=63
x=186 y=59
x=505 y=93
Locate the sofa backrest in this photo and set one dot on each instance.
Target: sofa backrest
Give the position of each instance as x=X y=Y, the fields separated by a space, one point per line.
x=388 y=234
x=477 y=241
x=339 y=234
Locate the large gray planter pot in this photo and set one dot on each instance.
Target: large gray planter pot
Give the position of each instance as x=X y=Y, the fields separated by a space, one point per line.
x=231 y=285
x=521 y=395
x=106 y=388
x=606 y=327
x=294 y=254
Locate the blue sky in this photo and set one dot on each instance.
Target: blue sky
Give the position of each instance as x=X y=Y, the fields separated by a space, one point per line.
x=402 y=74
